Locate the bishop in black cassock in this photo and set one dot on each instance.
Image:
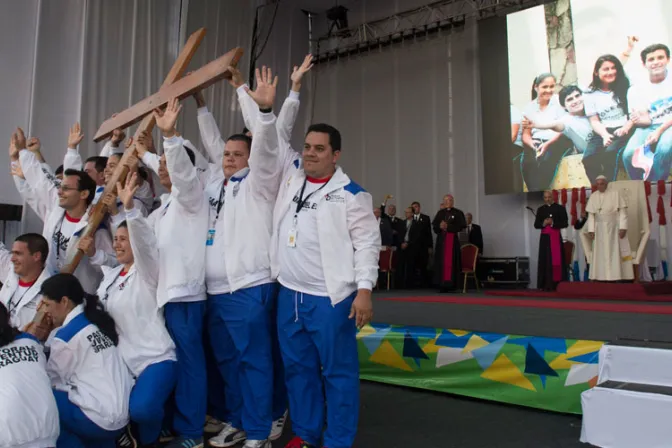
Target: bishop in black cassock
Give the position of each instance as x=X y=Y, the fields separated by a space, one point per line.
x=448 y=222
x=552 y=266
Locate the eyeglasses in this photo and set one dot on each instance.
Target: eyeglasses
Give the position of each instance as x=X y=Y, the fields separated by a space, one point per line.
x=65 y=188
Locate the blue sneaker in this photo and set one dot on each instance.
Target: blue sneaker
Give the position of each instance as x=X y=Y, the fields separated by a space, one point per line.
x=182 y=442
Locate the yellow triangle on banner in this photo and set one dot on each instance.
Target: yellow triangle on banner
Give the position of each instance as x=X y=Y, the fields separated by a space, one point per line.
x=474 y=343
x=505 y=371
x=582 y=347
x=388 y=356
x=431 y=347
x=365 y=331
x=459 y=333
x=561 y=362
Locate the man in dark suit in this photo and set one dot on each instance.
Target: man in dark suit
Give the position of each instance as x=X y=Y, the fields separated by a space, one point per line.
x=398 y=224
x=386 y=230
x=421 y=242
x=475 y=236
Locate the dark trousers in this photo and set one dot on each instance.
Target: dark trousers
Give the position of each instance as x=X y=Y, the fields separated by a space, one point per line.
x=600 y=160
x=538 y=172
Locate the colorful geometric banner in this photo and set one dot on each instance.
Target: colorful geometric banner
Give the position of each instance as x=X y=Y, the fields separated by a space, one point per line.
x=544 y=373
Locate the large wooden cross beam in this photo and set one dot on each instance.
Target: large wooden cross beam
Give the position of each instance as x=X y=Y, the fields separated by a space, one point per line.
x=172 y=87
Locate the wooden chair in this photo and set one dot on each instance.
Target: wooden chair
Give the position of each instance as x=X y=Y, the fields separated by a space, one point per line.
x=568 y=250
x=469 y=258
x=387 y=263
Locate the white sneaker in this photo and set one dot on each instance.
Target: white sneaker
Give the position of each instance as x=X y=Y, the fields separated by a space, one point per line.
x=278 y=427
x=212 y=425
x=257 y=444
x=229 y=436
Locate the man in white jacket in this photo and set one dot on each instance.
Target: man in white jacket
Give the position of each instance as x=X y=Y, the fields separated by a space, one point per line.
x=180 y=225
x=241 y=192
x=324 y=253
x=22 y=273
x=65 y=214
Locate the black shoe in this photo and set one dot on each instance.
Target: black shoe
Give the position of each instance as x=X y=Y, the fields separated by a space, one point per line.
x=126 y=439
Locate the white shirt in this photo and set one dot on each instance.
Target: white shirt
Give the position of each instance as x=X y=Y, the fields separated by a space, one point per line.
x=578 y=130
x=603 y=104
x=60 y=240
x=552 y=113
x=656 y=99
x=28 y=412
x=216 y=277
x=301 y=266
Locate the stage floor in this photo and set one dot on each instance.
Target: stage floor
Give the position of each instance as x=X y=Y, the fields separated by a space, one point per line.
x=557 y=317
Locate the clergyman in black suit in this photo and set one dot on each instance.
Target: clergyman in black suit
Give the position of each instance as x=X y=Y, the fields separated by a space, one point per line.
x=398 y=224
x=475 y=236
x=386 y=231
x=421 y=242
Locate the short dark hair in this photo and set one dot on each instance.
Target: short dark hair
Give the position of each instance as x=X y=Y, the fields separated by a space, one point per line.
x=59 y=170
x=655 y=47
x=245 y=130
x=98 y=161
x=415 y=202
x=241 y=138
x=85 y=183
x=566 y=91
x=334 y=135
x=123 y=224
x=35 y=243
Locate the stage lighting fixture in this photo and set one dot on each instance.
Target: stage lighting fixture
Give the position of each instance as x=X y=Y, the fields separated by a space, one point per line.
x=338 y=15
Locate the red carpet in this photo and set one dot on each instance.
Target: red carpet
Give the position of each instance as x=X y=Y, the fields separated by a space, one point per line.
x=530 y=303
x=635 y=292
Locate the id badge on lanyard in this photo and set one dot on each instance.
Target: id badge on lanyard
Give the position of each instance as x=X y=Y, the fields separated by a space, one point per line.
x=211 y=238
x=293 y=232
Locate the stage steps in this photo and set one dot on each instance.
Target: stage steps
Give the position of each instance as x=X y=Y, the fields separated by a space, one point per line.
x=631 y=404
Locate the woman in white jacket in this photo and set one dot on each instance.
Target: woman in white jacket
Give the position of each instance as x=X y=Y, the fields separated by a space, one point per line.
x=128 y=293
x=28 y=413
x=92 y=384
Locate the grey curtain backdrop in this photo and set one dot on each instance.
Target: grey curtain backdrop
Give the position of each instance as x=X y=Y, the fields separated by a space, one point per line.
x=83 y=60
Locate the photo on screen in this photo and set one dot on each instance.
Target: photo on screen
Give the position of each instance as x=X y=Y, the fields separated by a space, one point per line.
x=589 y=92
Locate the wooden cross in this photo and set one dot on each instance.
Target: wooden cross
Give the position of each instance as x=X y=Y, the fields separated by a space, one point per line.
x=173 y=86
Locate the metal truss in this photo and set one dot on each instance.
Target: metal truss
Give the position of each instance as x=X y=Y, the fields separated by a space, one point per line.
x=438 y=15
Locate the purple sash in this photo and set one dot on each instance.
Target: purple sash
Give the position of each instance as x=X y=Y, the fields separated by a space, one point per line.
x=556 y=254
x=448 y=242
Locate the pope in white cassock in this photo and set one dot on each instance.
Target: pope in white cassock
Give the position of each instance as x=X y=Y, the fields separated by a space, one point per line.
x=607 y=226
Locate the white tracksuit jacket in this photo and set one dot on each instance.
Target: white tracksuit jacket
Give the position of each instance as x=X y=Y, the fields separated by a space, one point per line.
x=28 y=412
x=143 y=338
x=84 y=363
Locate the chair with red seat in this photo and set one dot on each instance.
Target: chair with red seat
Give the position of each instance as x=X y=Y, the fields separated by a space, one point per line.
x=469 y=255
x=387 y=263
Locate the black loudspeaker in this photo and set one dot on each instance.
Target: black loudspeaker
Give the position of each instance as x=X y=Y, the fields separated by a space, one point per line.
x=504 y=272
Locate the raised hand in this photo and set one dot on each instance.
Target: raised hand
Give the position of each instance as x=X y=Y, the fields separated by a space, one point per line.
x=20 y=139
x=75 y=137
x=16 y=170
x=110 y=201
x=13 y=148
x=298 y=72
x=165 y=120
x=118 y=136
x=128 y=191
x=264 y=95
x=87 y=245
x=200 y=99
x=33 y=144
x=144 y=143
x=236 y=77
x=632 y=40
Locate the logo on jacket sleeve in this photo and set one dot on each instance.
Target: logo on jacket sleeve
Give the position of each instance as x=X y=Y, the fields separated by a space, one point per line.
x=335 y=197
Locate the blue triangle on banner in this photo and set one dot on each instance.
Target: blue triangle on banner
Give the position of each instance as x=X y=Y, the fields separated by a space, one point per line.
x=412 y=349
x=486 y=355
x=372 y=341
x=588 y=358
x=448 y=339
x=535 y=364
x=541 y=344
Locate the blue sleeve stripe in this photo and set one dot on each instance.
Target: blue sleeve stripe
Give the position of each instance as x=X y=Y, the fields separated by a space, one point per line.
x=296 y=163
x=74 y=326
x=353 y=188
x=26 y=336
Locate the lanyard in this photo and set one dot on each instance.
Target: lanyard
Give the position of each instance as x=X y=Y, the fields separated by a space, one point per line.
x=11 y=308
x=220 y=202
x=58 y=238
x=121 y=285
x=302 y=200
